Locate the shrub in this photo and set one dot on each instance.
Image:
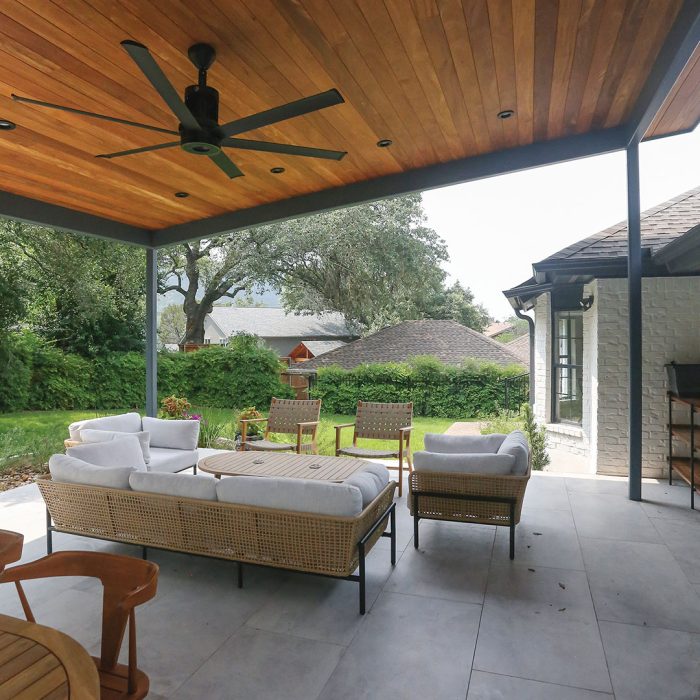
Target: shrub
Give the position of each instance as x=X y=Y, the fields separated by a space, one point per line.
x=174 y=407
x=119 y=380
x=59 y=380
x=441 y=391
x=537 y=437
x=250 y=413
x=15 y=371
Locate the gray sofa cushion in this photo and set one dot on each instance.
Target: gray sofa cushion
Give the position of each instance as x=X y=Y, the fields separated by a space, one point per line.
x=94 y=435
x=473 y=463
x=184 y=485
x=516 y=445
x=124 y=422
x=120 y=452
x=463 y=444
x=301 y=495
x=164 y=459
x=175 y=434
x=367 y=483
x=71 y=470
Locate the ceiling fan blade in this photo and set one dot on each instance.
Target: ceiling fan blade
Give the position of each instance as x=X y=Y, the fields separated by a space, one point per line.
x=286 y=148
x=82 y=112
x=143 y=59
x=226 y=164
x=145 y=149
x=278 y=114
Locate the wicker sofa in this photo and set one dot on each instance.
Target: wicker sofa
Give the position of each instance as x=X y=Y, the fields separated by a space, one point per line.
x=470 y=479
x=212 y=526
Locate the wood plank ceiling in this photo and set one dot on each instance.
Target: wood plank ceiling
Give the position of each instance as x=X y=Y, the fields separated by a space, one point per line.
x=431 y=75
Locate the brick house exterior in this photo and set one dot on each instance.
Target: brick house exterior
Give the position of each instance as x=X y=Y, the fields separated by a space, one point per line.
x=587 y=282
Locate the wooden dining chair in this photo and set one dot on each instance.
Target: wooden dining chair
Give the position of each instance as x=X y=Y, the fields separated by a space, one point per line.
x=127 y=582
x=10 y=547
x=380 y=421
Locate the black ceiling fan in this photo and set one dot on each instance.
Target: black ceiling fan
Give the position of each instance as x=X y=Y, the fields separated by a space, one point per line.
x=199 y=130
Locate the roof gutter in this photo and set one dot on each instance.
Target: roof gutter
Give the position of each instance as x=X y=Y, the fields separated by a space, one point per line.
x=531 y=332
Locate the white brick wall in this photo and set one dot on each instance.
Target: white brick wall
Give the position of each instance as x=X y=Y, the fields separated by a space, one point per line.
x=671 y=310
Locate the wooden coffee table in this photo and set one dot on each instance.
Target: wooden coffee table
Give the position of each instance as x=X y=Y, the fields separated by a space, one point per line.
x=287 y=464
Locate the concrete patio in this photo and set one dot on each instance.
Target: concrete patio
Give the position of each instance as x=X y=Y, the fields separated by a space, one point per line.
x=602 y=601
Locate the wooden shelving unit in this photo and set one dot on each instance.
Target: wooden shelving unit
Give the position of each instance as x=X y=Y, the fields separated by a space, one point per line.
x=685 y=466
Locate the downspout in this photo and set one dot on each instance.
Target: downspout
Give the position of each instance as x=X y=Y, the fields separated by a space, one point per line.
x=531 y=324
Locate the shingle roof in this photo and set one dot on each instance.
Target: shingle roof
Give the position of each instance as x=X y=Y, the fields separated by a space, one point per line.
x=319 y=347
x=449 y=341
x=496 y=328
x=520 y=346
x=660 y=225
x=276 y=323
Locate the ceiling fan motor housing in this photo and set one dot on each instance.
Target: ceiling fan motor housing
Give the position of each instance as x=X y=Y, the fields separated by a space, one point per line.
x=203 y=102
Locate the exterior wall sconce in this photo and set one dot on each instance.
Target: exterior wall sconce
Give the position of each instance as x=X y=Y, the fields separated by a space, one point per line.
x=587 y=302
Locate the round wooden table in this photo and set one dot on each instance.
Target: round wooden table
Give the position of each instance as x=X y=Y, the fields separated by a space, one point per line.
x=38 y=662
x=290 y=465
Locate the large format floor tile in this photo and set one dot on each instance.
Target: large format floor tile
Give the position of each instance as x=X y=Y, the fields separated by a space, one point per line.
x=607 y=516
x=683 y=542
x=489 y=686
x=650 y=664
x=540 y=624
x=410 y=647
x=546 y=493
x=641 y=584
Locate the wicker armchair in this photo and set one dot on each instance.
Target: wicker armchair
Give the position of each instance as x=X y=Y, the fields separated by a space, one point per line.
x=380 y=421
x=484 y=498
x=288 y=417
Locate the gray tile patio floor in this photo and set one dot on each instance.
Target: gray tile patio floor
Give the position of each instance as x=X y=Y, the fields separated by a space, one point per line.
x=602 y=601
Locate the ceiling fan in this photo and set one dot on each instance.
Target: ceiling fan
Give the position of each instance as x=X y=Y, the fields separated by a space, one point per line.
x=199 y=130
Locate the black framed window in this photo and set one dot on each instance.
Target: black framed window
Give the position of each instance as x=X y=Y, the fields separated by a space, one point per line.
x=568 y=366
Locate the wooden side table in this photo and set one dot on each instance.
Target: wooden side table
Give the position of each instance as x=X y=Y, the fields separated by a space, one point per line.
x=38 y=661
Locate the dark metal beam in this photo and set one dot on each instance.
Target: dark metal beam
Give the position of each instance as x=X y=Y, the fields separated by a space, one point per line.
x=151 y=332
x=634 y=289
x=443 y=174
x=678 y=47
x=33 y=211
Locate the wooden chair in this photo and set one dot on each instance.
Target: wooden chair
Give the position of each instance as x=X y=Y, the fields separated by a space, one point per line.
x=288 y=417
x=127 y=582
x=380 y=421
x=10 y=547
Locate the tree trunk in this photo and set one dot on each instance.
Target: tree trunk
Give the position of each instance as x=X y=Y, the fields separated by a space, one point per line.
x=194 y=330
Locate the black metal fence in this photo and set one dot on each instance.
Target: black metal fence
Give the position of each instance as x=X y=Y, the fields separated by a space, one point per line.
x=516 y=392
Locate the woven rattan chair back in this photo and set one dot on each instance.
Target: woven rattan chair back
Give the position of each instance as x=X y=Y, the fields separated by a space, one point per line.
x=286 y=413
x=382 y=421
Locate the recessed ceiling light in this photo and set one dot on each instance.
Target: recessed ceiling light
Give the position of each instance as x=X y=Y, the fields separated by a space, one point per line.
x=506 y=114
x=384 y=143
x=182 y=195
x=7 y=125
x=277 y=170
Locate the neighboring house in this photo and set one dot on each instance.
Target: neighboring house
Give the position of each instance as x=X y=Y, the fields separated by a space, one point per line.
x=308 y=349
x=493 y=330
x=281 y=331
x=448 y=341
x=520 y=346
x=579 y=299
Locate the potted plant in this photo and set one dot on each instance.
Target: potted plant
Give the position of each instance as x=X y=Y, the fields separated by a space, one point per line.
x=255 y=430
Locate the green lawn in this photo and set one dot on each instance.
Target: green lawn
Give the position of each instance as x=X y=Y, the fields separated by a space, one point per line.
x=31 y=436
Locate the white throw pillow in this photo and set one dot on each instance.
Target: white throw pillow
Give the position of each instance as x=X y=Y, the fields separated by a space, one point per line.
x=469 y=463
x=144 y=438
x=176 y=434
x=70 y=470
x=119 y=452
x=301 y=495
x=124 y=422
x=183 y=485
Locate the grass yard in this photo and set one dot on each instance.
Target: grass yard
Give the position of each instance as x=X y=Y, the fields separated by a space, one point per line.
x=28 y=438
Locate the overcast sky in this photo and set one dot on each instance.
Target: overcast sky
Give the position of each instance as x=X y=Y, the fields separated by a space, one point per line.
x=496 y=228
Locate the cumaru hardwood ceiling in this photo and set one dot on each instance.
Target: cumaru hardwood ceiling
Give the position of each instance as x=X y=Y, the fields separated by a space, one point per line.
x=431 y=75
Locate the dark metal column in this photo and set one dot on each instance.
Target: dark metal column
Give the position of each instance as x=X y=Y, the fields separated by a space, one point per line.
x=151 y=332
x=634 y=287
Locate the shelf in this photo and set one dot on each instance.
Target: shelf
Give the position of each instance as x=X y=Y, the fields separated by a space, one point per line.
x=681 y=465
x=695 y=402
x=682 y=432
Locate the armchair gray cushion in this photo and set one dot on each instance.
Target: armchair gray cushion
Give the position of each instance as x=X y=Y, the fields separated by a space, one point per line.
x=463 y=444
x=516 y=445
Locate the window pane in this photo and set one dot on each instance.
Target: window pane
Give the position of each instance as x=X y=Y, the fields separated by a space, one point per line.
x=568 y=366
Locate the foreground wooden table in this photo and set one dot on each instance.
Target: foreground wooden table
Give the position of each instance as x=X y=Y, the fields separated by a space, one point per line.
x=40 y=662
x=289 y=465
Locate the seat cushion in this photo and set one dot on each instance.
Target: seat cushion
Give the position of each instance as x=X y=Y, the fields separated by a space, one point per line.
x=367 y=452
x=270 y=446
x=71 y=470
x=175 y=434
x=516 y=445
x=183 y=485
x=470 y=463
x=379 y=472
x=301 y=495
x=124 y=422
x=122 y=451
x=93 y=435
x=463 y=444
x=368 y=484
x=164 y=459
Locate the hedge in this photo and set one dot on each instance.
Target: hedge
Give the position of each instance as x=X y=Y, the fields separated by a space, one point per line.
x=437 y=390
x=38 y=376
